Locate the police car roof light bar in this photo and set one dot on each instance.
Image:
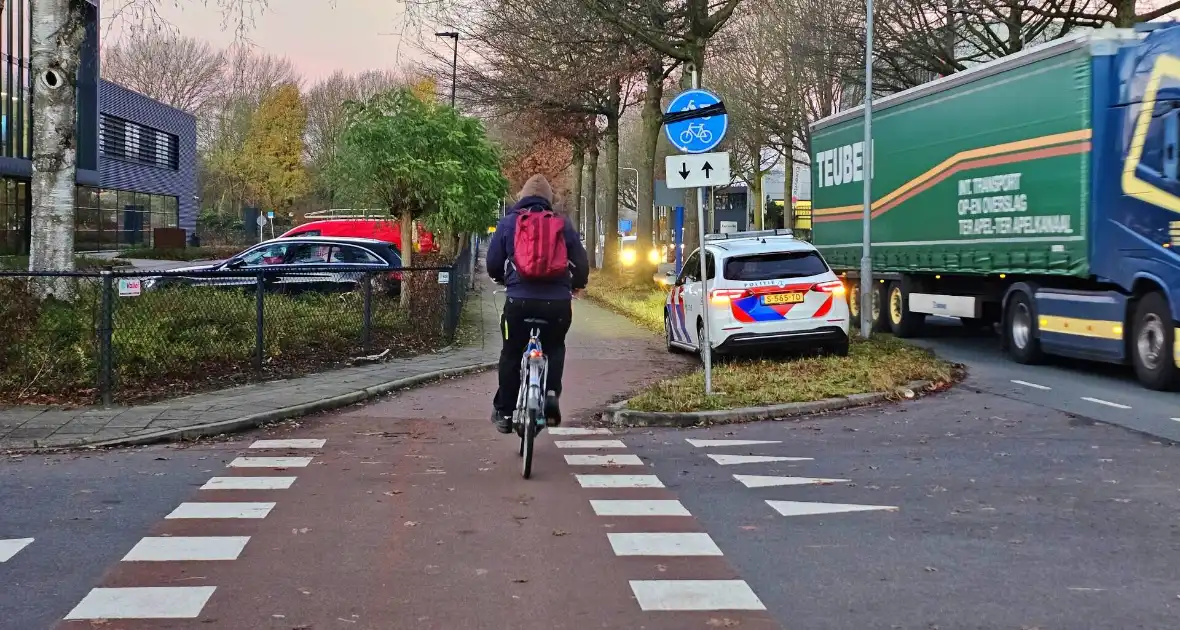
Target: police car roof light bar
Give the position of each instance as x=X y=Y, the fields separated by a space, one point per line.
x=751 y=234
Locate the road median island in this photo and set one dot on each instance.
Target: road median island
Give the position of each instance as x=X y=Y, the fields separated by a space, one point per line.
x=747 y=389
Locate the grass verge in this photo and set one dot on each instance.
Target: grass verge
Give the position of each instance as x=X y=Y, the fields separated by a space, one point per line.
x=183 y=255
x=881 y=364
x=639 y=302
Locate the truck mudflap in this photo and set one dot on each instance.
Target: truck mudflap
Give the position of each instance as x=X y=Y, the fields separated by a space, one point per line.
x=1082 y=324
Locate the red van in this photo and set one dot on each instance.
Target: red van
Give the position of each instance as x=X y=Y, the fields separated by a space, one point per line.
x=380 y=229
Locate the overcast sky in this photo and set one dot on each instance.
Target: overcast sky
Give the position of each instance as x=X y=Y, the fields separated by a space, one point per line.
x=319 y=36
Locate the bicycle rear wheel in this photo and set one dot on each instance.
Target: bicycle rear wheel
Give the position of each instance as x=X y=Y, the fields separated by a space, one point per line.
x=526 y=443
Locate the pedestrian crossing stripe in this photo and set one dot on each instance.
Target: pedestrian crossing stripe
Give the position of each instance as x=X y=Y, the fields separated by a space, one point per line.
x=708 y=443
x=9 y=548
x=768 y=481
x=803 y=508
x=729 y=460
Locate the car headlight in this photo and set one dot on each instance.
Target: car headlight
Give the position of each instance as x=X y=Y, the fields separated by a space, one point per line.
x=654 y=257
x=627 y=257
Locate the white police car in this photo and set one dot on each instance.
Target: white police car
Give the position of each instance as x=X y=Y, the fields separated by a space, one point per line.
x=773 y=291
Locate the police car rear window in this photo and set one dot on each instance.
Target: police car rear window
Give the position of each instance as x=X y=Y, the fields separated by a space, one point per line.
x=775 y=266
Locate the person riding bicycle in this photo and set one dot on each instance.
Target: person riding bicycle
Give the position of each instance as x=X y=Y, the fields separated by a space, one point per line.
x=538 y=255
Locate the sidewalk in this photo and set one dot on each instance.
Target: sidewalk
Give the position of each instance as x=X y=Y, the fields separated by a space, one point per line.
x=212 y=413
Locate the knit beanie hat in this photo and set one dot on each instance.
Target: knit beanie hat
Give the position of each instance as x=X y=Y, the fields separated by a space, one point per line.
x=537 y=186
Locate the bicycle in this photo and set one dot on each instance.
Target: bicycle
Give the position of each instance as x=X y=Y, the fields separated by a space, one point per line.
x=696 y=131
x=528 y=419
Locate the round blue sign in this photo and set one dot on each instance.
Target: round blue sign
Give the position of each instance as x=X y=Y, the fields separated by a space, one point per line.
x=696 y=135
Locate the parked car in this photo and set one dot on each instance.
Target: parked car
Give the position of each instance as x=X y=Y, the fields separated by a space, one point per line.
x=773 y=291
x=379 y=229
x=295 y=265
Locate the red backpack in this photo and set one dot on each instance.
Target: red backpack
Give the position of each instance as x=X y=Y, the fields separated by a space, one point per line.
x=539 y=251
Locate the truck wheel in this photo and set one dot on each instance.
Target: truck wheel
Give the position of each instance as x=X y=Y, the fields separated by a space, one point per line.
x=854 y=304
x=1152 y=344
x=902 y=321
x=1020 y=331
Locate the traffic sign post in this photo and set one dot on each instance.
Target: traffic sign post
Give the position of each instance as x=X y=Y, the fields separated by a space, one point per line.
x=697 y=132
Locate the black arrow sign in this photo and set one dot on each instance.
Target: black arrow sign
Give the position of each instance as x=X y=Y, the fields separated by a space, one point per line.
x=684 y=172
x=708 y=169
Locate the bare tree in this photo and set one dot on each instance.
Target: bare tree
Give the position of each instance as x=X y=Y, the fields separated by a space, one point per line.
x=183 y=72
x=325 y=106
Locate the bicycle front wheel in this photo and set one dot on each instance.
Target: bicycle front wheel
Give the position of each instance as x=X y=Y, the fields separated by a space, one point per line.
x=526 y=443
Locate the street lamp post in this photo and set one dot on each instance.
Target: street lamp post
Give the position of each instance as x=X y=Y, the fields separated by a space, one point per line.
x=454 y=60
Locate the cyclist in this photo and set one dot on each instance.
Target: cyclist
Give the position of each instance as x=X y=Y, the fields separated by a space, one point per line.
x=533 y=295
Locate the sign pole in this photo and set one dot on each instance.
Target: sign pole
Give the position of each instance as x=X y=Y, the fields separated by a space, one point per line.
x=706 y=348
x=866 y=259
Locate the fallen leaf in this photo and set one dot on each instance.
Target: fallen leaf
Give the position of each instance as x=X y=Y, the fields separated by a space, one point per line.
x=558 y=532
x=520 y=581
x=410 y=523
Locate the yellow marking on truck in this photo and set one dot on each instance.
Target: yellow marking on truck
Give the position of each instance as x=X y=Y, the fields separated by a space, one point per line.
x=1096 y=328
x=1165 y=66
x=1082 y=135
x=1176 y=346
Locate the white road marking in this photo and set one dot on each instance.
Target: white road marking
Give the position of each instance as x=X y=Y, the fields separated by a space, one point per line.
x=248 y=483
x=663 y=544
x=159 y=602
x=270 y=462
x=221 y=510
x=187 y=548
x=728 y=460
x=638 y=507
x=706 y=443
x=288 y=444
x=803 y=508
x=603 y=460
x=577 y=431
x=619 y=481
x=1105 y=402
x=766 y=481
x=589 y=444
x=1176 y=419
x=1028 y=384
x=11 y=547
x=695 y=595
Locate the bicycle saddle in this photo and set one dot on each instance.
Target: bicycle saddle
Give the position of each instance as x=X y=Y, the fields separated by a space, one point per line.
x=536 y=321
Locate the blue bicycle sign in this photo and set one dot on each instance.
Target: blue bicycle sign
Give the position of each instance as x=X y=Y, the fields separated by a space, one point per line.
x=696 y=135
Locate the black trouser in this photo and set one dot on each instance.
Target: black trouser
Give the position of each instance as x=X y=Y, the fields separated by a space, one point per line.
x=516 y=338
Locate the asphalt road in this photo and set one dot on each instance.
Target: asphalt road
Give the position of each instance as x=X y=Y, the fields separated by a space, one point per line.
x=991 y=514
x=1100 y=391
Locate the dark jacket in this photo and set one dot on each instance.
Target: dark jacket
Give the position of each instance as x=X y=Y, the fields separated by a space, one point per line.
x=500 y=252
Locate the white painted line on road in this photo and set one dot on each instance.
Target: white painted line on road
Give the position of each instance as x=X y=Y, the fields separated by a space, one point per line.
x=248 y=483
x=706 y=443
x=663 y=544
x=577 y=431
x=638 y=507
x=802 y=508
x=619 y=481
x=1176 y=419
x=1105 y=402
x=729 y=460
x=1032 y=385
x=589 y=444
x=603 y=460
x=157 y=602
x=221 y=510
x=765 y=481
x=270 y=462
x=695 y=595
x=11 y=547
x=288 y=444
x=187 y=548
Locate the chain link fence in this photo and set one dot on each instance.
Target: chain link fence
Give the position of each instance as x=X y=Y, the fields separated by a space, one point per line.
x=128 y=336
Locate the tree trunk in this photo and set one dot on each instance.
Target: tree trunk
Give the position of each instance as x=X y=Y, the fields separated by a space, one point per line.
x=645 y=203
x=592 y=203
x=610 y=219
x=579 y=163
x=755 y=192
x=789 y=195
x=407 y=252
x=58 y=31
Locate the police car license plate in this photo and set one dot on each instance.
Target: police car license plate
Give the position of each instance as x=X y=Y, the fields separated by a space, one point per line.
x=794 y=297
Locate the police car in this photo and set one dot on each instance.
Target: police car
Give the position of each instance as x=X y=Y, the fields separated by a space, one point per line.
x=773 y=291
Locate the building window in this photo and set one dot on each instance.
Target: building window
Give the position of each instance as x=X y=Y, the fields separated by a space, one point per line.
x=116 y=219
x=13 y=217
x=15 y=126
x=127 y=140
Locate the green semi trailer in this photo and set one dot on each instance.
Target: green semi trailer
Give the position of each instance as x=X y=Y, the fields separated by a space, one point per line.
x=1038 y=192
